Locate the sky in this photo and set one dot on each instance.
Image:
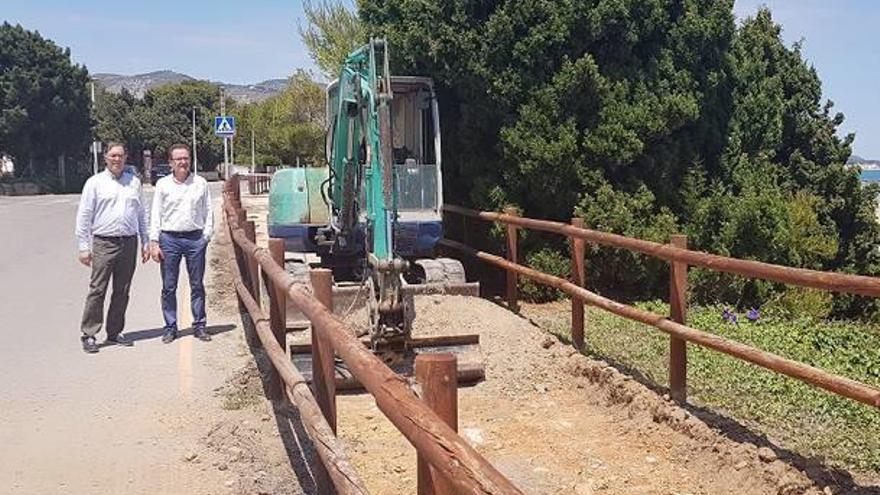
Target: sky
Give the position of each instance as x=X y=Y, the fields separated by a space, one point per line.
x=251 y=41
x=840 y=41
x=234 y=42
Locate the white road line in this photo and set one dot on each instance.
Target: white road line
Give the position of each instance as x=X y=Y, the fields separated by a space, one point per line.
x=185 y=346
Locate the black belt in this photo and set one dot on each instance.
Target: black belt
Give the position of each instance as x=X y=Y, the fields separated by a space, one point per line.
x=182 y=233
x=115 y=237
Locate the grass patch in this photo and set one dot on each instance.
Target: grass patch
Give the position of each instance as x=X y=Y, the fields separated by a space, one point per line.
x=803 y=418
x=243 y=390
x=240 y=398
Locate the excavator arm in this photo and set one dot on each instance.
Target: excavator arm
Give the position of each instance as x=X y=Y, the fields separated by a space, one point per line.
x=363 y=192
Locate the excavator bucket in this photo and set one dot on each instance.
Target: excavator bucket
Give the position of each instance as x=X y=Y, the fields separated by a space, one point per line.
x=465 y=347
x=350 y=299
x=442 y=276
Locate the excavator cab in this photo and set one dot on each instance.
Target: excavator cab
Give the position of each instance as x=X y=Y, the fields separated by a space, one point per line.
x=415 y=129
x=416 y=157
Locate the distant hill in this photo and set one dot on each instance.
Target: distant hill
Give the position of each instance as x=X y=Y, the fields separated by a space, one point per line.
x=857 y=160
x=141 y=83
x=255 y=92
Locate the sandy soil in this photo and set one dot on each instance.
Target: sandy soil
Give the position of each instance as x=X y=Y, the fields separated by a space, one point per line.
x=557 y=422
x=249 y=444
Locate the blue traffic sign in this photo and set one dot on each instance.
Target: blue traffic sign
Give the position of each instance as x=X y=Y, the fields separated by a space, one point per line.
x=224 y=126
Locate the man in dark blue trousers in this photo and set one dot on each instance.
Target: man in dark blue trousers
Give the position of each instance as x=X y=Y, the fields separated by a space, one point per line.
x=181 y=225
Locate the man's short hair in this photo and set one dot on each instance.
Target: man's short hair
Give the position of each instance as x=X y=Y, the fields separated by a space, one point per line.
x=179 y=146
x=113 y=144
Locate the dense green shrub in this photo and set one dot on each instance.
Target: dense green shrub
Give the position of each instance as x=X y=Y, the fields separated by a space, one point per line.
x=549 y=261
x=799 y=302
x=619 y=271
x=647 y=117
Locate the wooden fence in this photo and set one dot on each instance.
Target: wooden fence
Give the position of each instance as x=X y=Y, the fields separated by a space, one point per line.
x=258 y=183
x=679 y=258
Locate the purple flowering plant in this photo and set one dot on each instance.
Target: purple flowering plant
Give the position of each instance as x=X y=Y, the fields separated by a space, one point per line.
x=753 y=315
x=728 y=315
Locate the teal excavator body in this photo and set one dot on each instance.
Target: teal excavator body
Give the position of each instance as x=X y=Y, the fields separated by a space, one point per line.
x=374 y=213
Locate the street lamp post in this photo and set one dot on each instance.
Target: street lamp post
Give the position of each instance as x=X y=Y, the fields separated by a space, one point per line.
x=225 y=140
x=194 y=145
x=94 y=141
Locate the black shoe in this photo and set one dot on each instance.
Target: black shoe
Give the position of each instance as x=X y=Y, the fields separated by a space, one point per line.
x=119 y=340
x=89 y=345
x=201 y=334
x=169 y=336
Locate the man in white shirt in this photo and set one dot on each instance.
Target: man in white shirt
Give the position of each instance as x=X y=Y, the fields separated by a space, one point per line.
x=109 y=220
x=181 y=225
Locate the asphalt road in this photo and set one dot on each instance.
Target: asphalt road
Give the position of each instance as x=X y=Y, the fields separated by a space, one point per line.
x=77 y=423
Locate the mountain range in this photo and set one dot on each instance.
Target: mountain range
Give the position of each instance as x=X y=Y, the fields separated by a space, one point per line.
x=140 y=83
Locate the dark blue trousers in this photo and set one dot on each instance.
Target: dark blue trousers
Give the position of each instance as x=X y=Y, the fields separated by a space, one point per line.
x=190 y=246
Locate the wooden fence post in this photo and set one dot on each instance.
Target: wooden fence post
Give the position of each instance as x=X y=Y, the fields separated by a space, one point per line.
x=242 y=217
x=436 y=373
x=240 y=256
x=323 y=368
x=579 y=278
x=236 y=188
x=249 y=266
x=237 y=253
x=678 y=300
x=512 y=296
x=253 y=267
x=277 y=313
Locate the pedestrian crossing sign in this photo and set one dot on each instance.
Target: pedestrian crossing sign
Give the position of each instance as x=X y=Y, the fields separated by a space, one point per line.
x=224 y=126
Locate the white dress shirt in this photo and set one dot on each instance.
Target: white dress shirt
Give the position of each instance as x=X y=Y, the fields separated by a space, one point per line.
x=181 y=206
x=111 y=206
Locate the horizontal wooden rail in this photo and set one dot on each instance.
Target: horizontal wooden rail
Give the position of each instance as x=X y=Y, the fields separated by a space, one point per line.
x=331 y=453
x=837 y=282
x=438 y=443
x=820 y=378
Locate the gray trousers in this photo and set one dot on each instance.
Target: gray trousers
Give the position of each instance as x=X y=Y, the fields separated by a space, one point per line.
x=112 y=257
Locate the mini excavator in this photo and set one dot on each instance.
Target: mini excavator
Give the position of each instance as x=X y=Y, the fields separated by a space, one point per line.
x=373 y=215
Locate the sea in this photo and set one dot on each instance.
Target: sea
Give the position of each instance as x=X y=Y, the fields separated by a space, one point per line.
x=870 y=175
